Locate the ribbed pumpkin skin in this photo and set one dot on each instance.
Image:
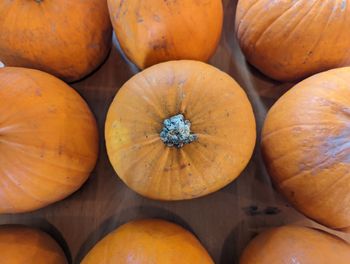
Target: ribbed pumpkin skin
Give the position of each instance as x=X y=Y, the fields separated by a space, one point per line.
x=24 y=245
x=221 y=117
x=288 y=40
x=66 y=38
x=294 y=245
x=155 y=31
x=305 y=144
x=148 y=242
x=48 y=140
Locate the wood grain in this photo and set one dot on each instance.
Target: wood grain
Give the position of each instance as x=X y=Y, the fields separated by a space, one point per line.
x=224 y=221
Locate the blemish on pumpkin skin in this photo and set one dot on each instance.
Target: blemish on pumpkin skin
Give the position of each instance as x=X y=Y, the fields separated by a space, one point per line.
x=38 y=93
x=60 y=150
x=139 y=18
x=156 y=18
x=119 y=9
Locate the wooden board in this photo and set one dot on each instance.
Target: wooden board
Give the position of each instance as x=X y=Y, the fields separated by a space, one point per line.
x=224 y=221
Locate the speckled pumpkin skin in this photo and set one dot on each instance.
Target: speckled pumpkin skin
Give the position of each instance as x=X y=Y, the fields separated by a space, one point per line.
x=220 y=115
x=66 y=38
x=305 y=144
x=288 y=40
x=148 y=242
x=48 y=140
x=24 y=245
x=294 y=245
x=155 y=31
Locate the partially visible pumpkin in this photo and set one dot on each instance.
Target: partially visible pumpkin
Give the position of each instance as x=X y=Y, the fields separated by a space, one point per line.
x=289 y=40
x=155 y=31
x=66 y=38
x=180 y=130
x=24 y=245
x=305 y=143
x=294 y=245
x=149 y=241
x=48 y=140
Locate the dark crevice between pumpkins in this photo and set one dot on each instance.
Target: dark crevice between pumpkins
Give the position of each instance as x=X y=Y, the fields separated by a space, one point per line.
x=176 y=132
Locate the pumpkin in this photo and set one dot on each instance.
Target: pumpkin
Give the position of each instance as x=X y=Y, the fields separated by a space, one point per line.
x=305 y=143
x=290 y=40
x=68 y=39
x=179 y=130
x=155 y=31
x=296 y=244
x=48 y=140
x=149 y=241
x=20 y=244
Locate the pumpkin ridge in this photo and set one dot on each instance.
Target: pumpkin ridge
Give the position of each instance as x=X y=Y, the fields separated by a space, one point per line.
x=25 y=168
x=160 y=165
x=245 y=14
x=128 y=170
x=317 y=41
x=31 y=155
x=285 y=12
x=154 y=102
x=195 y=167
x=18 y=186
x=276 y=131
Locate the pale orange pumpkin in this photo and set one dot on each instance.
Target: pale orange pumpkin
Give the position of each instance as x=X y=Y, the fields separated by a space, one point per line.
x=66 y=38
x=24 y=245
x=160 y=155
x=155 y=31
x=305 y=143
x=48 y=140
x=148 y=241
x=294 y=245
x=289 y=40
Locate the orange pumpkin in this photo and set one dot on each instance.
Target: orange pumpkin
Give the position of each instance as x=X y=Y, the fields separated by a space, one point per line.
x=180 y=130
x=155 y=31
x=66 y=38
x=305 y=142
x=149 y=241
x=293 y=245
x=48 y=140
x=289 y=40
x=19 y=245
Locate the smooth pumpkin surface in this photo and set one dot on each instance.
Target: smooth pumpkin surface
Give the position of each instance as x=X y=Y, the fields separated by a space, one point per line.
x=155 y=31
x=289 y=40
x=148 y=241
x=68 y=39
x=24 y=245
x=305 y=143
x=221 y=117
x=294 y=245
x=48 y=140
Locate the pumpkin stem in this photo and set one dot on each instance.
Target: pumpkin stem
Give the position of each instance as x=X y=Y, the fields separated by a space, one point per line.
x=176 y=132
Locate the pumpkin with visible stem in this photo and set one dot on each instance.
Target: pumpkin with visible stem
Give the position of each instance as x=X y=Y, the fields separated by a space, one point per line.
x=155 y=31
x=305 y=144
x=290 y=40
x=68 y=39
x=149 y=241
x=48 y=140
x=180 y=130
x=21 y=244
x=296 y=244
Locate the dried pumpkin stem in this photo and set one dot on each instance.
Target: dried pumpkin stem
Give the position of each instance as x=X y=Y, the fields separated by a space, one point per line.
x=176 y=131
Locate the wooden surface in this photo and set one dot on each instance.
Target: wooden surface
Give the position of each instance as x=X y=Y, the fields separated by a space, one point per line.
x=224 y=221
